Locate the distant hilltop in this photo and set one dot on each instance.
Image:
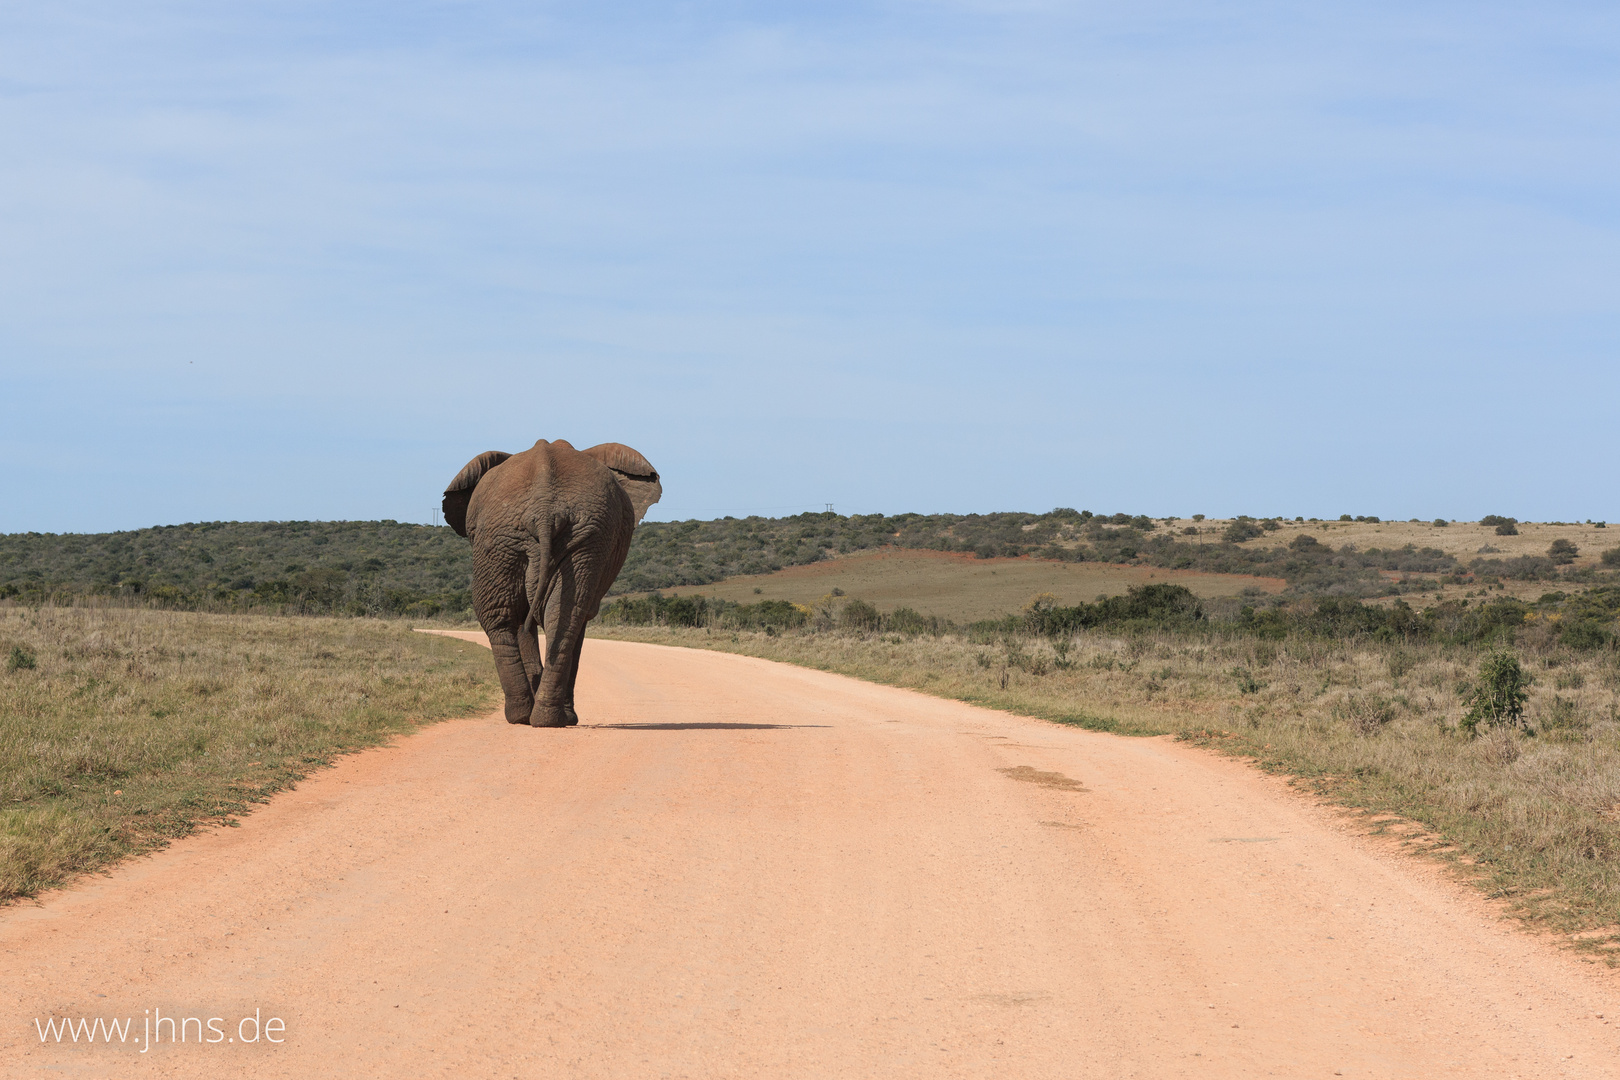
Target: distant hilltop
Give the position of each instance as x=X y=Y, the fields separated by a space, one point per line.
x=394 y=568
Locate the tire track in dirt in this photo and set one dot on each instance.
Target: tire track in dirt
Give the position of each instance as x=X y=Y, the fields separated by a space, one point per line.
x=742 y=869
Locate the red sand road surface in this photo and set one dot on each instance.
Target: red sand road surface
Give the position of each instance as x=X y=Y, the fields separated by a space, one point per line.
x=743 y=869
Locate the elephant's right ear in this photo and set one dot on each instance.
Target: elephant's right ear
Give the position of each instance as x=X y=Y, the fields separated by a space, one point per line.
x=459 y=493
x=633 y=472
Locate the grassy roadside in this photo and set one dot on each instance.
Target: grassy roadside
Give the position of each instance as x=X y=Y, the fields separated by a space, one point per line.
x=1534 y=820
x=121 y=728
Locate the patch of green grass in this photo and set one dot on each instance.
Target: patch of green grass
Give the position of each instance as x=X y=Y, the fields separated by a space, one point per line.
x=132 y=727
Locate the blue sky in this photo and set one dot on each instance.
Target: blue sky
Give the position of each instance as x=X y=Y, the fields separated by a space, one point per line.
x=302 y=260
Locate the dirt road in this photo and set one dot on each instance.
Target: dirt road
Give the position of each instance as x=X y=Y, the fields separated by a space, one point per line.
x=739 y=869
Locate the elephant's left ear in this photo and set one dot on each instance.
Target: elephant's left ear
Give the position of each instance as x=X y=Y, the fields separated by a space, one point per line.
x=459 y=494
x=633 y=472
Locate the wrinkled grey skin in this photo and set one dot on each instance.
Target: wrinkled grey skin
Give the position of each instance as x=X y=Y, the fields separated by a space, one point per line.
x=550 y=528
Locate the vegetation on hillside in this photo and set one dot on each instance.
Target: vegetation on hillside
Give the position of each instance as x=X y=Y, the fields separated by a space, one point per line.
x=376 y=568
x=1586 y=621
x=668 y=554
x=390 y=568
x=122 y=728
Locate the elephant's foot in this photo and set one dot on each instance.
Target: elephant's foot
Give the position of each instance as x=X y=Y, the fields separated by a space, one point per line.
x=545 y=715
x=518 y=712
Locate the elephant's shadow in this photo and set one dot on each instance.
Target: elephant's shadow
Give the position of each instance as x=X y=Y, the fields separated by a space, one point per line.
x=705 y=727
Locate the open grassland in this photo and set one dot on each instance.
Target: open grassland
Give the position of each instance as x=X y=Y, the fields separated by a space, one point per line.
x=963 y=588
x=1459 y=539
x=1533 y=818
x=123 y=728
x=1462 y=541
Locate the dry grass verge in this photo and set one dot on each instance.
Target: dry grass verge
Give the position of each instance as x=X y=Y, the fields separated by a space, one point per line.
x=121 y=728
x=1533 y=819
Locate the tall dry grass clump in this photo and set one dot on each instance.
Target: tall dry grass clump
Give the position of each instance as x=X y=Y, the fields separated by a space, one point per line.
x=121 y=728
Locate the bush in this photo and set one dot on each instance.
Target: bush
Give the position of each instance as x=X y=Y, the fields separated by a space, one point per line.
x=1442 y=522
x=1141 y=607
x=906 y=620
x=21 y=659
x=1498 y=520
x=859 y=615
x=1240 y=530
x=1497 y=700
x=1562 y=552
x=654 y=609
x=1508 y=529
x=1611 y=557
x=1367 y=713
x=1585 y=634
x=768 y=615
x=683 y=611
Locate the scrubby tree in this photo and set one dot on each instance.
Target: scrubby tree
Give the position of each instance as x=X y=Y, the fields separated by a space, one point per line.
x=1244 y=528
x=859 y=615
x=1497 y=699
x=1562 y=552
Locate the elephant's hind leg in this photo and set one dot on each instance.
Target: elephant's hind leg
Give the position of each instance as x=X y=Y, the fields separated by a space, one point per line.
x=565 y=629
x=516 y=684
x=503 y=611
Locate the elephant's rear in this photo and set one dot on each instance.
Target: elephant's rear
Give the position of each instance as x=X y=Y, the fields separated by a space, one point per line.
x=550 y=531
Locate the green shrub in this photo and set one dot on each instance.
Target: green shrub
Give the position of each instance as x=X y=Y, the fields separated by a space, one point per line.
x=1611 y=557
x=1240 y=530
x=21 y=659
x=1246 y=682
x=1497 y=699
x=1508 y=529
x=1585 y=635
x=906 y=620
x=1562 y=552
x=859 y=615
x=768 y=615
x=1442 y=522
x=1497 y=519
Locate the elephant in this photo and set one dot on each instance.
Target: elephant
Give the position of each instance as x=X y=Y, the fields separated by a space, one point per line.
x=550 y=528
